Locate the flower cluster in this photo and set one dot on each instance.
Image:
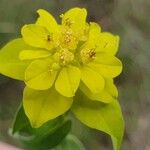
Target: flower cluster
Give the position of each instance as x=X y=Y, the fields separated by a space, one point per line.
x=67 y=66
x=70 y=55
x=74 y=55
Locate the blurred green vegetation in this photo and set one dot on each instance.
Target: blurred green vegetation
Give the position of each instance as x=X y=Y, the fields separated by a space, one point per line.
x=127 y=18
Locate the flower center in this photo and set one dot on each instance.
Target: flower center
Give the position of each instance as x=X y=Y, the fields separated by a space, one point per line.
x=88 y=55
x=64 y=57
x=68 y=38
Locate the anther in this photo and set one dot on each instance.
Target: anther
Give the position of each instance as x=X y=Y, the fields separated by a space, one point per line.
x=62 y=57
x=67 y=37
x=92 y=54
x=68 y=22
x=49 y=38
x=88 y=55
x=66 y=57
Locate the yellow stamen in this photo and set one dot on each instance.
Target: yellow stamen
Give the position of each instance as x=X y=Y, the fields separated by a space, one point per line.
x=88 y=55
x=64 y=57
x=68 y=36
x=68 y=22
x=49 y=38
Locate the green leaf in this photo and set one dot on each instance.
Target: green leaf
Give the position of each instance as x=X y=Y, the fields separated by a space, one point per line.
x=57 y=136
x=70 y=143
x=47 y=136
x=21 y=122
x=42 y=106
x=21 y=125
x=104 y=117
x=10 y=64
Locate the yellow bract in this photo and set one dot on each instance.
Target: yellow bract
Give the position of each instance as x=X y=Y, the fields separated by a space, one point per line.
x=47 y=20
x=41 y=106
x=68 y=81
x=76 y=20
x=32 y=54
x=70 y=55
x=73 y=50
x=39 y=75
x=37 y=36
x=60 y=63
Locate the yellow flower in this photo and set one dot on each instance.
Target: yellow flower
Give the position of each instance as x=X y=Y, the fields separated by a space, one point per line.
x=69 y=53
x=67 y=66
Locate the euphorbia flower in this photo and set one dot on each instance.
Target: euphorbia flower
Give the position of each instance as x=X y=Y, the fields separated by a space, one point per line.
x=82 y=52
x=67 y=66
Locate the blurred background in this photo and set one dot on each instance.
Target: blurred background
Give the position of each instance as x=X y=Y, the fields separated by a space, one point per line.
x=127 y=18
